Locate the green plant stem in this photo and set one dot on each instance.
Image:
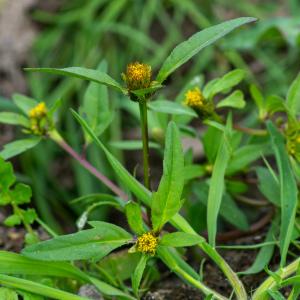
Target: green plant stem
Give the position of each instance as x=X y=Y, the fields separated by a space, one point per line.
x=198 y=284
x=55 y=136
x=145 y=139
x=269 y=283
x=251 y=131
x=46 y=227
x=18 y=212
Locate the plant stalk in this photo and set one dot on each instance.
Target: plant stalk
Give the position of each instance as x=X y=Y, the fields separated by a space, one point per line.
x=269 y=283
x=145 y=139
x=54 y=135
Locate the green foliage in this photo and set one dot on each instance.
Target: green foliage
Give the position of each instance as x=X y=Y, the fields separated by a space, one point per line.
x=215 y=185
x=166 y=202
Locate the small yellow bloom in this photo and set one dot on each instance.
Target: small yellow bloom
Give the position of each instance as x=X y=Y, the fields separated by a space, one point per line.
x=194 y=98
x=38 y=111
x=39 y=120
x=138 y=76
x=147 y=243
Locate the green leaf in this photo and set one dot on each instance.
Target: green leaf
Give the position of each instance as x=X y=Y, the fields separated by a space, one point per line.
x=235 y=100
x=24 y=103
x=95 y=107
x=82 y=73
x=166 y=202
x=187 y=49
x=268 y=186
x=276 y=295
x=288 y=191
x=138 y=274
x=21 y=194
x=8 y=294
x=37 y=288
x=180 y=239
x=134 y=217
x=12 y=221
x=29 y=215
x=172 y=108
x=109 y=290
x=17 y=147
x=224 y=84
x=7 y=177
x=245 y=155
x=216 y=189
x=293 y=97
x=275 y=104
x=13 y=119
x=16 y=264
x=87 y=244
x=194 y=171
x=265 y=253
x=258 y=98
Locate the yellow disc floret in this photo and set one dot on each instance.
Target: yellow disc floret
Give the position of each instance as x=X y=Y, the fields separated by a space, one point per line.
x=147 y=243
x=137 y=76
x=194 y=98
x=40 y=122
x=38 y=111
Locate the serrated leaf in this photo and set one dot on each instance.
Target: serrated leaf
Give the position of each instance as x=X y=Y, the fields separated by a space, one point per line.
x=187 y=49
x=13 y=119
x=166 y=202
x=19 y=146
x=82 y=73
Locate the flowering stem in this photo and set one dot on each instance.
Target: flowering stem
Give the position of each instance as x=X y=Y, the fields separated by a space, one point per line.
x=145 y=138
x=54 y=135
x=270 y=283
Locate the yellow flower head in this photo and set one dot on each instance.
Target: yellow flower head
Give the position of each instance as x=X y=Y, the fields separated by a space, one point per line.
x=194 y=98
x=138 y=76
x=147 y=243
x=38 y=111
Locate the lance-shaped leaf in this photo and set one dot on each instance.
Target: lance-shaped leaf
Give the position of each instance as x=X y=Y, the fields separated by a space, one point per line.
x=166 y=202
x=288 y=191
x=87 y=244
x=134 y=217
x=17 y=147
x=187 y=49
x=180 y=239
x=138 y=274
x=13 y=119
x=83 y=73
x=216 y=188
